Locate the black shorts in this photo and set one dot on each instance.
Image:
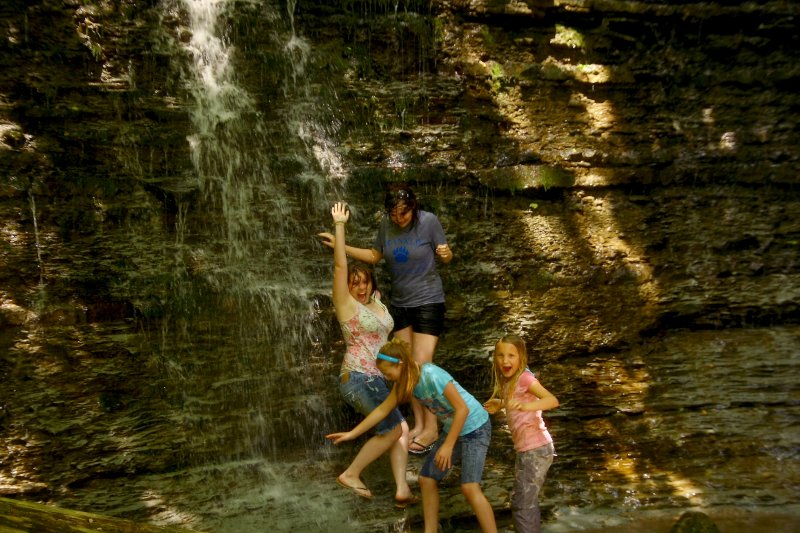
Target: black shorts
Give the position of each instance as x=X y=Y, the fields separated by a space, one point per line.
x=427 y=319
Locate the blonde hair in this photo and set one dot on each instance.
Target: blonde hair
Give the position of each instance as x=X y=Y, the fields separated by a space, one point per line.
x=503 y=388
x=409 y=369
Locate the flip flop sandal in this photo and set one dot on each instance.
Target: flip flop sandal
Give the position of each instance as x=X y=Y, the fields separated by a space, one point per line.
x=422 y=448
x=405 y=502
x=361 y=492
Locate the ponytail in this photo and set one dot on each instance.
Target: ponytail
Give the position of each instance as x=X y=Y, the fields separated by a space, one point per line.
x=409 y=369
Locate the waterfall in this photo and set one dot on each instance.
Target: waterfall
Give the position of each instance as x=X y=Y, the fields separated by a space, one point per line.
x=230 y=284
x=243 y=331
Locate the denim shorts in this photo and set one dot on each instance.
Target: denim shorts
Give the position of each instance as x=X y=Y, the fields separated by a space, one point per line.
x=427 y=319
x=364 y=393
x=470 y=450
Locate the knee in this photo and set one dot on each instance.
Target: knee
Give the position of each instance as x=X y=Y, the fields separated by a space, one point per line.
x=472 y=491
x=403 y=429
x=427 y=483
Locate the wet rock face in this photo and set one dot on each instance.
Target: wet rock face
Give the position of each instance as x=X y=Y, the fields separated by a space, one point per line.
x=618 y=181
x=616 y=93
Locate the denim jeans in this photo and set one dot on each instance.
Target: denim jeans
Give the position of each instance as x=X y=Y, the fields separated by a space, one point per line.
x=364 y=393
x=470 y=450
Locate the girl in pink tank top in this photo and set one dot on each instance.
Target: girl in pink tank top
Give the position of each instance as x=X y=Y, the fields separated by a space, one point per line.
x=518 y=391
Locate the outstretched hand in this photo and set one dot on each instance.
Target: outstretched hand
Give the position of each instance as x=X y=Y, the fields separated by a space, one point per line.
x=327 y=239
x=493 y=406
x=338 y=438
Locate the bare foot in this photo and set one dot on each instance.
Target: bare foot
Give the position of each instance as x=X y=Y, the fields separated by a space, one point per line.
x=402 y=503
x=420 y=445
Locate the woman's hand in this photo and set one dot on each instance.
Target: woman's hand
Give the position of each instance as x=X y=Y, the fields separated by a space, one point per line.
x=444 y=253
x=338 y=438
x=327 y=239
x=493 y=406
x=340 y=213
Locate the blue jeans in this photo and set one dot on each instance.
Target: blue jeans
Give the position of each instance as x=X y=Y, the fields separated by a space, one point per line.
x=364 y=393
x=470 y=450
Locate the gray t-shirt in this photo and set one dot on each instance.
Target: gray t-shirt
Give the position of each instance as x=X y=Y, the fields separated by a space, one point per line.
x=410 y=256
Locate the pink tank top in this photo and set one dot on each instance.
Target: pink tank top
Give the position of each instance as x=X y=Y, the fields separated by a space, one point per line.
x=364 y=335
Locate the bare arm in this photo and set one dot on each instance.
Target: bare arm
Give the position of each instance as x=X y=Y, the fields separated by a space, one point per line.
x=365 y=255
x=343 y=302
x=545 y=402
x=444 y=456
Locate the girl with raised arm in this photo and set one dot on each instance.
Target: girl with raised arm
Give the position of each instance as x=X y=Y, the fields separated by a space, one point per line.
x=366 y=324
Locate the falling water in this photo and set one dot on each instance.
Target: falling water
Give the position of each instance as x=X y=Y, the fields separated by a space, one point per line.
x=246 y=358
x=36 y=238
x=247 y=276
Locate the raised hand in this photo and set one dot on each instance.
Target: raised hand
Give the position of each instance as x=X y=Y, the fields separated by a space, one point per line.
x=340 y=213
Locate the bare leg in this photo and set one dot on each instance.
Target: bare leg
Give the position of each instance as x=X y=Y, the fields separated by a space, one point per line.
x=372 y=449
x=406 y=334
x=480 y=505
x=419 y=419
x=398 y=457
x=422 y=348
x=430 y=503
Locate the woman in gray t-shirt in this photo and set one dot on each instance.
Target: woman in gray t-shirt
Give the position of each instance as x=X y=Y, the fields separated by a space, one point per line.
x=410 y=241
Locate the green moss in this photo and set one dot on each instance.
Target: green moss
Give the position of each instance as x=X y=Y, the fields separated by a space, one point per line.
x=498 y=76
x=568 y=37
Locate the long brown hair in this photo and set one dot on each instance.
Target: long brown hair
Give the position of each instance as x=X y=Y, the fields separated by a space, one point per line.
x=500 y=382
x=356 y=271
x=409 y=369
x=400 y=193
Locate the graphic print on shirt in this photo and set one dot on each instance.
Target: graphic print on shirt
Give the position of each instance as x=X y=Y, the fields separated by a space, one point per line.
x=402 y=249
x=401 y=254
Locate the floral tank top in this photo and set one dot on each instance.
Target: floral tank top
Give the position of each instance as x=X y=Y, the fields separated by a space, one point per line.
x=364 y=335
